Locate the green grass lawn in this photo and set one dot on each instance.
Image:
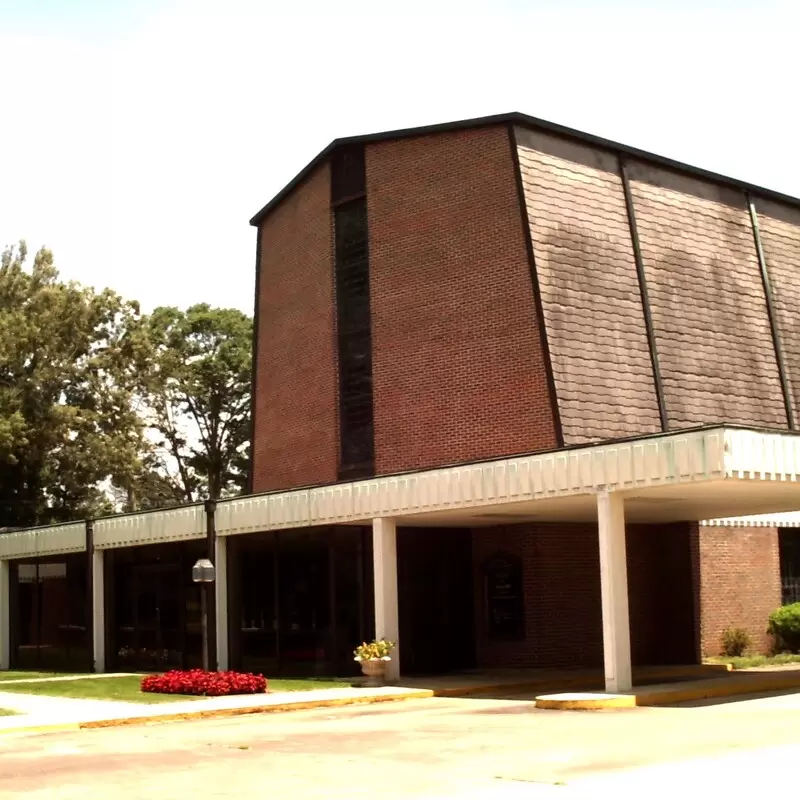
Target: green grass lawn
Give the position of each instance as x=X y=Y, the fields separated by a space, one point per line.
x=8 y=675
x=306 y=684
x=123 y=689
x=745 y=662
x=126 y=689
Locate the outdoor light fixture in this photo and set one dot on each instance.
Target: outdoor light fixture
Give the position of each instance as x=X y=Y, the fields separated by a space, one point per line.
x=204 y=573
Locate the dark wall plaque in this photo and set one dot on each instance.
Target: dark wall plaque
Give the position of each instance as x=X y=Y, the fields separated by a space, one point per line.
x=503 y=596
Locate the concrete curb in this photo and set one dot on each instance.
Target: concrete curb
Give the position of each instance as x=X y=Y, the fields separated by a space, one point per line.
x=219 y=713
x=655 y=675
x=669 y=695
x=57 y=727
x=541 y=684
x=216 y=713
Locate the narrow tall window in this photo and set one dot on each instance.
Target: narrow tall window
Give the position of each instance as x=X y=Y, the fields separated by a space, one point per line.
x=354 y=339
x=789 y=544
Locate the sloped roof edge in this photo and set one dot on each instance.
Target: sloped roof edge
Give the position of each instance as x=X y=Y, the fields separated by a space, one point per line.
x=517 y=118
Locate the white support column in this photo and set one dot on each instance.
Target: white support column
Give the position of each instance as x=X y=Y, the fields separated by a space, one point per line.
x=614 y=591
x=98 y=611
x=221 y=600
x=5 y=617
x=384 y=557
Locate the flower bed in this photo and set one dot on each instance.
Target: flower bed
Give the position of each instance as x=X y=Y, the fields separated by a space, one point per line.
x=198 y=682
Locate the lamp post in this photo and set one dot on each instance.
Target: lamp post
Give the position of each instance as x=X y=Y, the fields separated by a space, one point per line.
x=204 y=573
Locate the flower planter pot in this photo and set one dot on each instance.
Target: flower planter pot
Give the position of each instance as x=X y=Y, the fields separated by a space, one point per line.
x=375 y=672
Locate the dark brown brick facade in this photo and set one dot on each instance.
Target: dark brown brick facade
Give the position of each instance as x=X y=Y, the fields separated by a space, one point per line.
x=458 y=371
x=562 y=595
x=738 y=583
x=295 y=439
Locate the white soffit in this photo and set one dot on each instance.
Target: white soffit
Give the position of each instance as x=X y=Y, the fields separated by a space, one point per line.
x=681 y=458
x=661 y=460
x=789 y=519
x=49 y=540
x=167 y=525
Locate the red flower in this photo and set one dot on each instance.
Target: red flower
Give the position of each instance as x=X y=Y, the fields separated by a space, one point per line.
x=198 y=682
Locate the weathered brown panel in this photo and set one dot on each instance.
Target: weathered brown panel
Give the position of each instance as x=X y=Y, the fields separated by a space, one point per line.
x=295 y=441
x=707 y=299
x=590 y=292
x=780 y=238
x=458 y=370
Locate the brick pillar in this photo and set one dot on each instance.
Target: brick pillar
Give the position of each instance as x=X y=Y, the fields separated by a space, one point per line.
x=738 y=583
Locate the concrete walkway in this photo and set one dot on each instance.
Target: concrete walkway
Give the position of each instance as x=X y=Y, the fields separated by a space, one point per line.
x=39 y=713
x=44 y=713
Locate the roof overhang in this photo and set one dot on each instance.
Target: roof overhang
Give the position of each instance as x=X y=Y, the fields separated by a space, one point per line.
x=720 y=472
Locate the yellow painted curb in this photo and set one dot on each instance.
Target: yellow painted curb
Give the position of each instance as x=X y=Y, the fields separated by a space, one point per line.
x=218 y=713
x=587 y=703
x=724 y=689
x=56 y=728
x=648 y=696
x=652 y=675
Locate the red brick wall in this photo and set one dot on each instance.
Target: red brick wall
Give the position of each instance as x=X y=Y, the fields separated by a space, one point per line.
x=296 y=440
x=563 y=612
x=458 y=372
x=739 y=583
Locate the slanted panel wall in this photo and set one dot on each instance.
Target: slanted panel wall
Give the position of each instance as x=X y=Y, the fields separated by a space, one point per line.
x=590 y=292
x=707 y=299
x=780 y=239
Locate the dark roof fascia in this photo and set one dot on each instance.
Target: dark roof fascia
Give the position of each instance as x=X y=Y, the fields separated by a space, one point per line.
x=516 y=118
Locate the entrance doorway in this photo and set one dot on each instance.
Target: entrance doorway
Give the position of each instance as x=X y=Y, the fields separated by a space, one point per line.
x=436 y=600
x=157 y=622
x=298 y=600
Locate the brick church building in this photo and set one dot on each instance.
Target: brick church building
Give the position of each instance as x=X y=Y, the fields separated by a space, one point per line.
x=521 y=397
x=501 y=286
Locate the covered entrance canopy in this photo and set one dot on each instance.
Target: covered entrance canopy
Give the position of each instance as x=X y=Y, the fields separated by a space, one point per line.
x=690 y=475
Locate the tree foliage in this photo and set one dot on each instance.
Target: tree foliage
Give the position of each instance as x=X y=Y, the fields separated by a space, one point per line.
x=198 y=398
x=104 y=409
x=70 y=366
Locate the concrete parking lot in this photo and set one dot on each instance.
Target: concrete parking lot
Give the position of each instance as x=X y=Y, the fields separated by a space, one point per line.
x=436 y=748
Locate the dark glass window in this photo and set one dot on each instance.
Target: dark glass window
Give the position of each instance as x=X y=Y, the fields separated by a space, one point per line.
x=156 y=622
x=789 y=543
x=50 y=628
x=348 y=174
x=356 y=431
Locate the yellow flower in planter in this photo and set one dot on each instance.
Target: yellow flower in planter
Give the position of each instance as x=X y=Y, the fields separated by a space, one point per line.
x=376 y=650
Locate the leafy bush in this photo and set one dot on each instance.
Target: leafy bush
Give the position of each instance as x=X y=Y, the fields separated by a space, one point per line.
x=735 y=641
x=784 y=626
x=198 y=682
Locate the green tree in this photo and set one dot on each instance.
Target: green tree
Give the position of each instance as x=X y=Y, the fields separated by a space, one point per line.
x=198 y=398
x=70 y=368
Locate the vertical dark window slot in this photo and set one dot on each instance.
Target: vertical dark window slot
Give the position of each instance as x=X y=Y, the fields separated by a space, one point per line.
x=353 y=329
x=789 y=549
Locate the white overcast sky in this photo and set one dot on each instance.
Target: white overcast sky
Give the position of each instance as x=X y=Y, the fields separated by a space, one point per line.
x=138 y=137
